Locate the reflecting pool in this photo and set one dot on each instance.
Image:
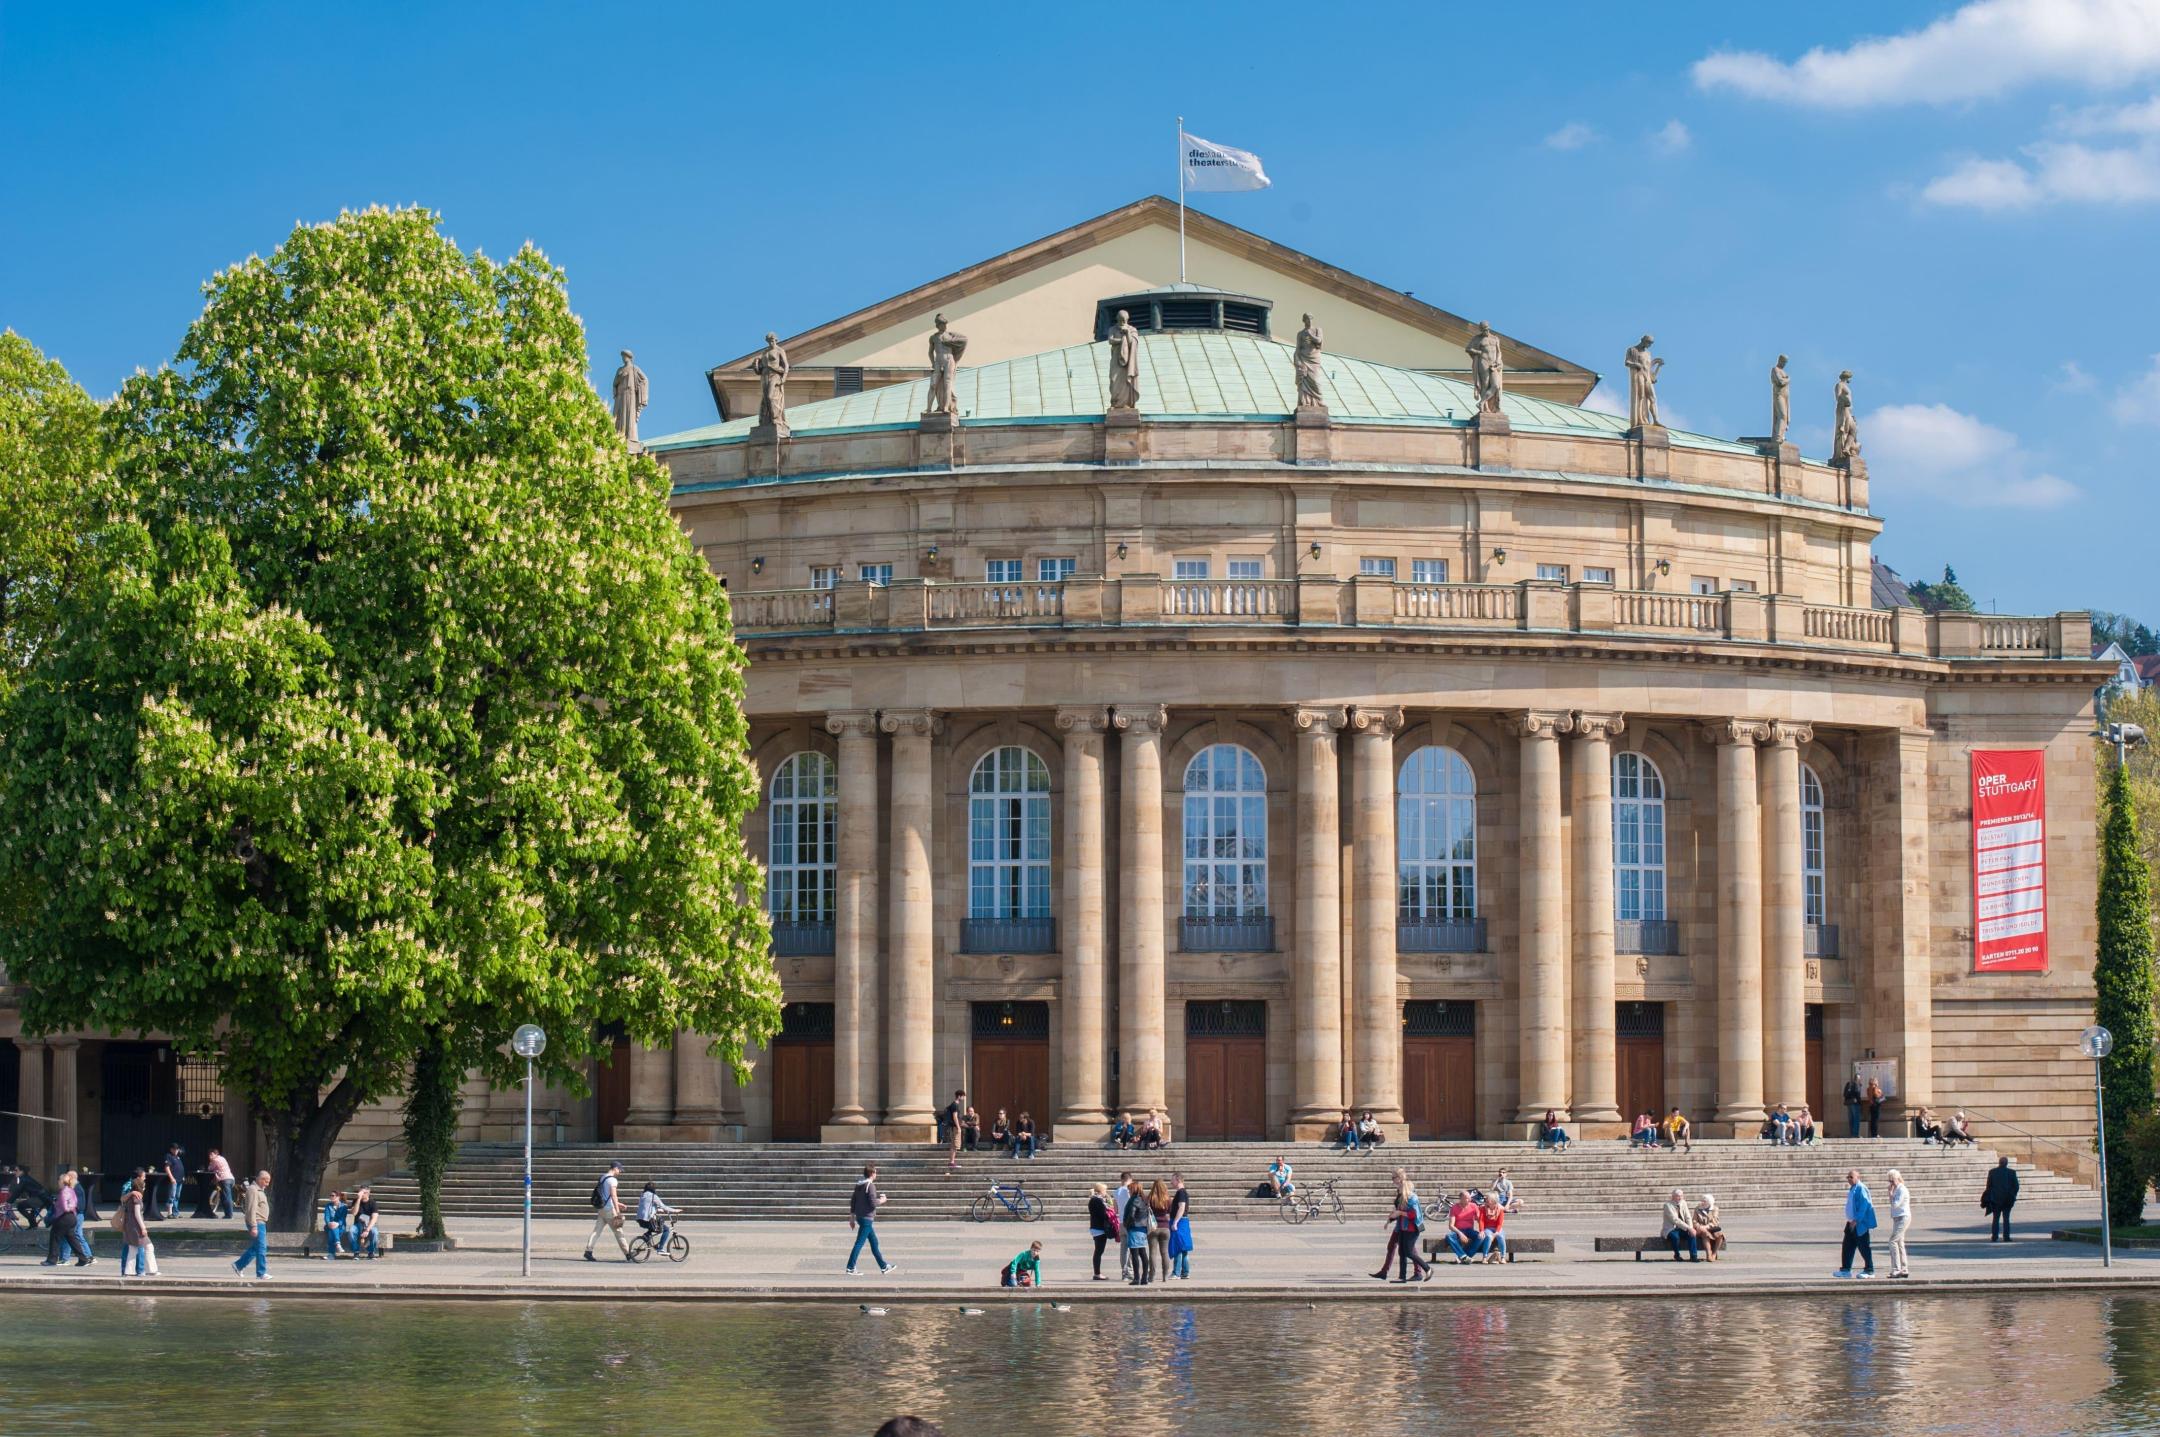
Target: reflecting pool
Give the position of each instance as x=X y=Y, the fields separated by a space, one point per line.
x=2063 y=1363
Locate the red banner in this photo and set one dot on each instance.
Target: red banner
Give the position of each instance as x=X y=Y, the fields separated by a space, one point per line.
x=2009 y=861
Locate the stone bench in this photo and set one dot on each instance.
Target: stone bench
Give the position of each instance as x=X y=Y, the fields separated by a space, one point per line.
x=1436 y=1248
x=1640 y=1245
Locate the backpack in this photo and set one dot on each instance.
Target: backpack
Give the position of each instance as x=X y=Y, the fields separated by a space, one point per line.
x=599 y=1194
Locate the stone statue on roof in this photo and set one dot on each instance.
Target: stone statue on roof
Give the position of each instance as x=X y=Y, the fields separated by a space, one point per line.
x=1642 y=373
x=1487 y=372
x=1845 y=437
x=630 y=394
x=1780 y=401
x=1124 y=364
x=1307 y=364
x=946 y=347
x=771 y=368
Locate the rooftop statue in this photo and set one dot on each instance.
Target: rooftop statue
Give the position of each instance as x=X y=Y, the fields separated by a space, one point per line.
x=1487 y=372
x=630 y=394
x=1124 y=364
x=1307 y=364
x=1845 y=437
x=1642 y=373
x=771 y=368
x=1780 y=401
x=946 y=347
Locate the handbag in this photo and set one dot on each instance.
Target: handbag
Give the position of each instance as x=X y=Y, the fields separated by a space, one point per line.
x=614 y=1222
x=114 y=1222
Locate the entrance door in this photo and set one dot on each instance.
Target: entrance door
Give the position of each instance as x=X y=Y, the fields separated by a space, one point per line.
x=802 y=1067
x=1225 y=1070
x=1439 y=1069
x=1009 y=1061
x=1640 y=1044
x=611 y=1090
x=150 y=1099
x=1816 y=1105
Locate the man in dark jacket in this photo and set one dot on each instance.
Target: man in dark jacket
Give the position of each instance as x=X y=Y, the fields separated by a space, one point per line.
x=1998 y=1198
x=1852 y=1107
x=175 y=1175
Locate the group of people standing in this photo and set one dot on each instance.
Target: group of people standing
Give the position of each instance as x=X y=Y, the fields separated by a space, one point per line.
x=1151 y=1224
x=1476 y=1227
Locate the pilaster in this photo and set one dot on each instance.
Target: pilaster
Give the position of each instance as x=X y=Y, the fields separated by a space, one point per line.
x=1541 y=1007
x=1595 y=1046
x=911 y=1113
x=1142 y=1081
x=1083 y=996
x=1316 y=1106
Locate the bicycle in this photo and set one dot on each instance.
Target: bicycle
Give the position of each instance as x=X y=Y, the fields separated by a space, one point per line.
x=671 y=1242
x=1014 y=1198
x=1300 y=1205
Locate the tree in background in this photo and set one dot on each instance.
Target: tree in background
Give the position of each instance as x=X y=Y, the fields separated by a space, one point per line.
x=395 y=711
x=2135 y=638
x=2142 y=765
x=1948 y=596
x=2123 y=979
x=51 y=455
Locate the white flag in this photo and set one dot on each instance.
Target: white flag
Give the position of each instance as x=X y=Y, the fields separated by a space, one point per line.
x=1209 y=166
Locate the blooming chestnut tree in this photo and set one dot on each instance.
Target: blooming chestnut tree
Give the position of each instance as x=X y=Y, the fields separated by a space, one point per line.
x=398 y=709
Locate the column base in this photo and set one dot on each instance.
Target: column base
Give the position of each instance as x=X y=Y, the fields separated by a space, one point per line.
x=1607 y=1113
x=1601 y=1128
x=851 y=1118
x=1533 y=1116
x=1743 y=1119
x=1307 y=1130
x=856 y=1132
x=1084 y=1124
x=904 y=1132
x=677 y=1133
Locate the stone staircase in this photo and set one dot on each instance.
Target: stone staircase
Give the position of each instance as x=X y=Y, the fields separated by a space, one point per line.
x=732 y=1182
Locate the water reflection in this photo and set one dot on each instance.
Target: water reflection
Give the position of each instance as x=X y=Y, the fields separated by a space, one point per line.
x=2064 y=1363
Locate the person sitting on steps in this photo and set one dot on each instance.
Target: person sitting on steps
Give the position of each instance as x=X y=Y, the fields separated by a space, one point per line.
x=1551 y=1134
x=1001 y=1131
x=1369 y=1130
x=1959 y=1130
x=1122 y=1132
x=1677 y=1133
x=1924 y=1126
x=1150 y=1133
x=1023 y=1137
x=1279 y=1181
x=1346 y=1132
x=1644 y=1133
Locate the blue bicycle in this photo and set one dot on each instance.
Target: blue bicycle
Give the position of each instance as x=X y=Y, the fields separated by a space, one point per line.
x=1014 y=1198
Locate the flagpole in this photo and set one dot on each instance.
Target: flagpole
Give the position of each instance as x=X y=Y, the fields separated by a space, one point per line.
x=1181 y=199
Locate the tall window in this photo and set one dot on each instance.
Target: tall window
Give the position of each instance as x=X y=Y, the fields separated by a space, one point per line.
x=880 y=574
x=1001 y=571
x=1225 y=834
x=1813 y=869
x=1055 y=570
x=1009 y=836
x=1428 y=571
x=1638 y=835
x=805 y=819
x=1436 y=837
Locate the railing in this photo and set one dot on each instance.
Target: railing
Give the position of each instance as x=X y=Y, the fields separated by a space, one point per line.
x=1688 y=613
x=1252 y=933
x=2015 y=636
x=802 y=940
x=1646 y=935
x=1008 y=935
x=2077 y=1157
x=1459 y=603
x=782 y=608
x=1821 y=941
x=1859 y=628
x=1230 y=598
x=995 y=603
x=1440 y=935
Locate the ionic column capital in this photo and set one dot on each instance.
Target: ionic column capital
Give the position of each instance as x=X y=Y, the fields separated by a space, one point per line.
x=1085 y=719
x=918 y=723
x=1319 y=721
x=1538 y=723
x=1736 y=731
x=1139 y=718
x=855 y=723
x=1785 y=734
x=1377 y=722
x=1599 y=726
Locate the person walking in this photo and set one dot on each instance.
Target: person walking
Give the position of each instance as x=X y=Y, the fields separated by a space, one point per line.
x=1852 y=1106
x=607 y=1212
x=1998 y=1197
x=135 y=1227
x=221 y=1174
x=255 y=1218
x=1874 y=1107
x=1102 y=1225
x=862 y=1211
x=1180 y=1229
x=1139 y=1217
x=175 y=1178
x=1409 y=1224
x=1900 y=1223
x=1117 y=1225
x=1859 y=1223
x=1159 y=1233
x=67 y=1229
x=1393 y=1225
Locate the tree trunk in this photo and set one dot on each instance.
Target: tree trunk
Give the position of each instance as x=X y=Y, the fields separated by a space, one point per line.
x=433 y=1104
x=300 y=1143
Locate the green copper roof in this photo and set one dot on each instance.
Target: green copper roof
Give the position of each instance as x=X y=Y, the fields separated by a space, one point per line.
x=1182 y=376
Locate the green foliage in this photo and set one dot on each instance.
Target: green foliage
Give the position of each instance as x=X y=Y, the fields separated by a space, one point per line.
x=1948 y=596
x=398 y=710
x=2135 y=638
x=2142 y=708
x=2123 y=977
x=50 y=458
x=432 y=1106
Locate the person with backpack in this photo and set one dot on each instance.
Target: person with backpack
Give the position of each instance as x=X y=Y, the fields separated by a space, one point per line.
x=1024 y=1270
x=1139 y=1220
x=1859 y=1222
x=607 y=1212
x=862 y=1211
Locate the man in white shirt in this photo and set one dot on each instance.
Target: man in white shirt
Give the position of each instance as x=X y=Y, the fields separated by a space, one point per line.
x=607 y=1212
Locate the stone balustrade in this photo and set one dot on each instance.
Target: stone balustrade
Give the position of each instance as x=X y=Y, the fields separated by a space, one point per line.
x=910 y=605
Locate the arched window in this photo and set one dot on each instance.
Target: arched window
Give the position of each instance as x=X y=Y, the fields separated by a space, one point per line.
x=1813 y=869
x=805 y=816
x=1638 y=835
x=1009 y=836
x=1436 y=838
x=1225 y=834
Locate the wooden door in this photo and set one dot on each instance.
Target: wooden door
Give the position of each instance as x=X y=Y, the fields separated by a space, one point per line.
x=802 y=1100
x=1225 y=1070
x=1440 y=1086
x=1013 y=1074
x=1816 y=1105
x=1642 y=1076
x=611 y=1090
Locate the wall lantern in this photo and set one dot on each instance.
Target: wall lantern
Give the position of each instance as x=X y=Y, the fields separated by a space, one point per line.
x=1499 y=556
x=757 y=565
x=1005 y=1015
x=1315 y=550
x=1664 y=566
x=932 y=554
x=1121 y=549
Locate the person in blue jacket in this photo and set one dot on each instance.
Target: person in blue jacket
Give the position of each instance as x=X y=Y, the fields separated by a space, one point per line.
x=1859 y=1222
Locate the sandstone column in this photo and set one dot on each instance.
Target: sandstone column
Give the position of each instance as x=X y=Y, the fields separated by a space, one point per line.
x=911 y=1049
x=63 y=1140
x=1541 y=1008
x=855 y=926
x=1142 y=1086
x=1896 y=1009
x=1084 y=992
x=1596 y=1058
x=1739 y=890
x=33 y=1139
x=1376 y=1069
x=1784 y=920
x=697 y=1090
x=652 y=1092
x=1316 y=1106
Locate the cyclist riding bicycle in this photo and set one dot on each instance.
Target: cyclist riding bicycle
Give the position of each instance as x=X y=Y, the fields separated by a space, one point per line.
x=653 y=1215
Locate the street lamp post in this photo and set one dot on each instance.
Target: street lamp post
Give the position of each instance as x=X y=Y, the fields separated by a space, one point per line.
x=2124 y=736
x=2096 y=1043
x=529 y=1042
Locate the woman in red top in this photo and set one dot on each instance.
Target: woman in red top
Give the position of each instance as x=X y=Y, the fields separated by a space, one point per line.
x=1490 y=1217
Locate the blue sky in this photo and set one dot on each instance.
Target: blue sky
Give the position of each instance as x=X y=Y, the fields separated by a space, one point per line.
x=1962 y=210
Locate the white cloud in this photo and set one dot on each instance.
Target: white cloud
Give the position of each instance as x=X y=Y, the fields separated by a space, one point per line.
x=2142 y=118
x=1673 y=138
x=2053 y=172
x=2071 y=378
x=1571 y=136
x=1953 y=457
x=2138 y=402
x=1607 y=400
x=1982 y=49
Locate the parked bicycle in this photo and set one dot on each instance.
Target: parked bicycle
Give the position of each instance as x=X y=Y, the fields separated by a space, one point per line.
x=1306 y=1202
x=1013 y=1198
